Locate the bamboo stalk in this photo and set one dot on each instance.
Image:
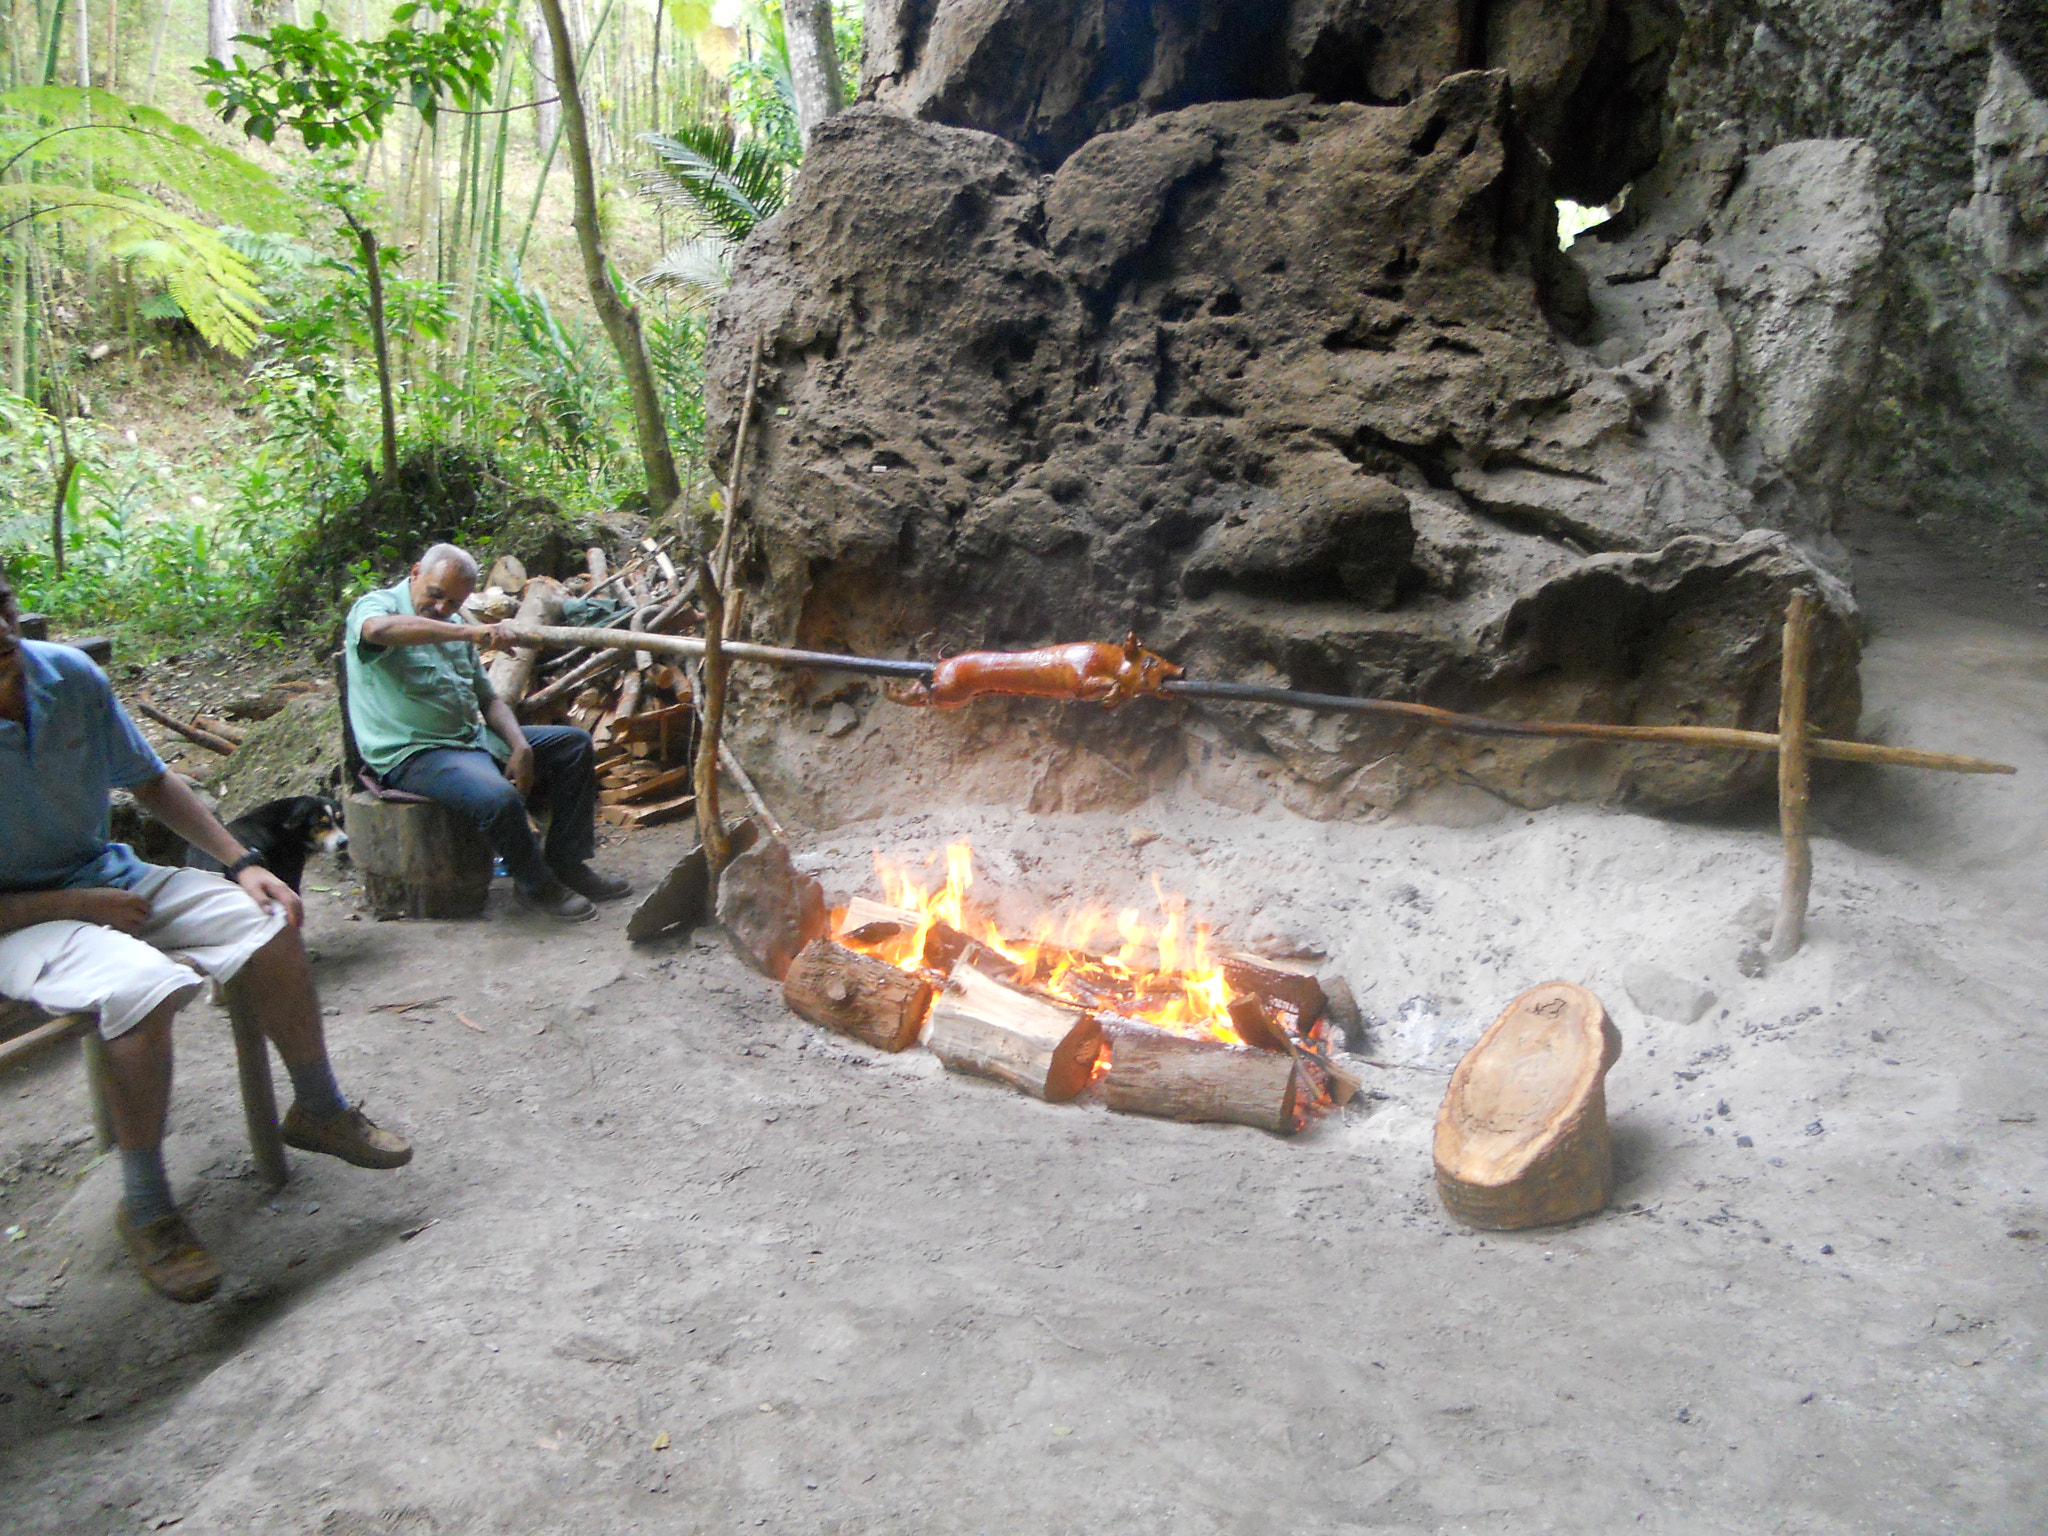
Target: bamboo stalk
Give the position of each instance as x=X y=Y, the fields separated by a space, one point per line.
x=1790 y=929
x=1423 y=714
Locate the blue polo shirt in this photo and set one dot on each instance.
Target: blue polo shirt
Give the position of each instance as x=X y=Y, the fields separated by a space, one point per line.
x=56 y=772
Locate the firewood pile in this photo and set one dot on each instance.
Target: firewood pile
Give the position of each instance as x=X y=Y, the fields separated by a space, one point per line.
x=640 y=711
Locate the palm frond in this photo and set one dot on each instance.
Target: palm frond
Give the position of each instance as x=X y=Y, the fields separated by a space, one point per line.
x=696 y=271
x=718 y=180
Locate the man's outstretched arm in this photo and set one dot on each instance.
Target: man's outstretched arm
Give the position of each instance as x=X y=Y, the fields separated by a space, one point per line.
x=388 y=629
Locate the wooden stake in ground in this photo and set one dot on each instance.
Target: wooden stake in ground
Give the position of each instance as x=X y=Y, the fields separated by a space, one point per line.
x=857 y=995
x=710 y=719
x=732 y=480
x=1790 y=929
x=1521 y=1139
x=978 y=1025
x=1152 y=1072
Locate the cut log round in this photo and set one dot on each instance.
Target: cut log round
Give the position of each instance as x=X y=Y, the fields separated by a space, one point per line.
x=1521 y=1139
x=418 y=859
x=857 y=995
x=1152 y=1072
x=980 y=1026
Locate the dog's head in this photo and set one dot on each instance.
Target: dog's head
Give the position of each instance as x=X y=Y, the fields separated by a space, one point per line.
x=315 y=824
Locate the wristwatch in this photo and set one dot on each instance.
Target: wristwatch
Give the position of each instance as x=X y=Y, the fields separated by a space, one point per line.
x=249 y=860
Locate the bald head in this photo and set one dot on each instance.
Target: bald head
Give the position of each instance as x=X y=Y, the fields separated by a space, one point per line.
x=442 y=581
x=451 y=555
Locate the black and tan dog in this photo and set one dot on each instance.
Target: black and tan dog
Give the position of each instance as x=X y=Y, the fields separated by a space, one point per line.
x=286 y=832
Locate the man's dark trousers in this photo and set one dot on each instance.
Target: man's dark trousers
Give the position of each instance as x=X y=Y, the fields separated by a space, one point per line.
x=470 y=781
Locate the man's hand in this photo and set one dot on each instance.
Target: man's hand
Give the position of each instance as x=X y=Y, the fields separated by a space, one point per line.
x=519 y=769
x=494 y=637
x=109 y=907
x=270 y=893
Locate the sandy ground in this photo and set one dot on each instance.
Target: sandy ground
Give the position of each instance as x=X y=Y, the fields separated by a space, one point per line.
x=671 y=1261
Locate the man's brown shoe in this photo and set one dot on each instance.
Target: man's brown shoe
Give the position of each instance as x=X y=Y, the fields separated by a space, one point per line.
x=348 y=1134
x=169 y=1256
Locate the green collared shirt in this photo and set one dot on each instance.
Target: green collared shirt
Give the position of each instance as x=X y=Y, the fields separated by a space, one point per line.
x=404 y=699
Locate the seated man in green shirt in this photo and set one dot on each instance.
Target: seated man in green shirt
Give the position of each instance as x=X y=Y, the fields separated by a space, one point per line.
x=427 y=722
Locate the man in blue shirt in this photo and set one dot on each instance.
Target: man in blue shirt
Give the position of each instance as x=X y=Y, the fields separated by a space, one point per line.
x=86 y=925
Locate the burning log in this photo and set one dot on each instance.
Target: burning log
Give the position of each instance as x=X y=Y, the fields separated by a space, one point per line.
x=857 y=995
x=1255 y=1024
x=874 y=923
x=1292 y=987
x=1152 y=1072
x=980 y=1026
x=1521 y=1139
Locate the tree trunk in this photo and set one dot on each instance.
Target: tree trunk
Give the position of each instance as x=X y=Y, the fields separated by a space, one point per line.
x=81 y=37
x=813 y=62
x=621 y=320
x=221 y=28
x=1521 y=1139
x=373 y=269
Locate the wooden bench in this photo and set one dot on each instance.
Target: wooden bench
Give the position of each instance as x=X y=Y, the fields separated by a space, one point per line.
x=252 y=1066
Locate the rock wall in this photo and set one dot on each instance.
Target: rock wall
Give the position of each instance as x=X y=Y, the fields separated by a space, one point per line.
x=1257 y=339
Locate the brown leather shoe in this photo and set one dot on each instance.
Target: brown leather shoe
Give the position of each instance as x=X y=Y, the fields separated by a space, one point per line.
x=169 y=1256
x=348 y=1134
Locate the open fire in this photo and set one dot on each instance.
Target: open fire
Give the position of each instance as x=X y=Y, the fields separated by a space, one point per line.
x=1198 y=1034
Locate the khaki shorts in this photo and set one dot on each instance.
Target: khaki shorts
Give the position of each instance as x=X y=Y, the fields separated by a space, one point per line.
x=201 y=927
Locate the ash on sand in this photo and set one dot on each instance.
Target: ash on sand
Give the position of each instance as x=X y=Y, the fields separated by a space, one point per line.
x=856 y=1293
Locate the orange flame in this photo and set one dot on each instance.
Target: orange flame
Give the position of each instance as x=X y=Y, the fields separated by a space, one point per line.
x=1159 y=972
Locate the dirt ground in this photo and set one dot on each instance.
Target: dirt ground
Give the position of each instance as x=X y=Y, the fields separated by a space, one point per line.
x=670 y=1260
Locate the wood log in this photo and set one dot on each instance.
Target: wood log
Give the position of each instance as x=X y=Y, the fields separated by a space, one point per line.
x=571 y=683
x=1521 y=1139
x=647 y=786
x=595 y=562
x=1292 y=986
x=1152 y=1072
x=220 y=728
x=1256 y=1025
x=191 y=733
x=507 y=575
x=1789 y=930
x=511 y=672
x=417 y=859
x=857 y=995
x=657 y=814
x=863 y=921
x=978 y=1025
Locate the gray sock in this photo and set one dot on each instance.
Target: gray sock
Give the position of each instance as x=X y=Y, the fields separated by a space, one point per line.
x=314 y=1087
x=145 y=1190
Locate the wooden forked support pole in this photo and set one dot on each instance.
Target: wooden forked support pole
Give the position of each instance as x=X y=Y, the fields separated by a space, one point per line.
x=1793 y=780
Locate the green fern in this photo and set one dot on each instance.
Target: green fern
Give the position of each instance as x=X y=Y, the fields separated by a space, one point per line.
x=138 y=185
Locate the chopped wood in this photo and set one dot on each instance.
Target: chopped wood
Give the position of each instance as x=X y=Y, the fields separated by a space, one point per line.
x=511 y=672
x=1152 y=1072
x=1292 y=986
x=570 y=682
x=654 y=815
x=857 y=995
x=649 y=725
x=1521 y=1139
x=874 y=922
x=192 y=733
x=946 y=948
x=507 y=574
x=978 y=1025
x=1252 y=1017
x=644 y=788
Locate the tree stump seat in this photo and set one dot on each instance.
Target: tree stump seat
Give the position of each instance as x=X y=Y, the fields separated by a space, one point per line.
x=417 y=858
